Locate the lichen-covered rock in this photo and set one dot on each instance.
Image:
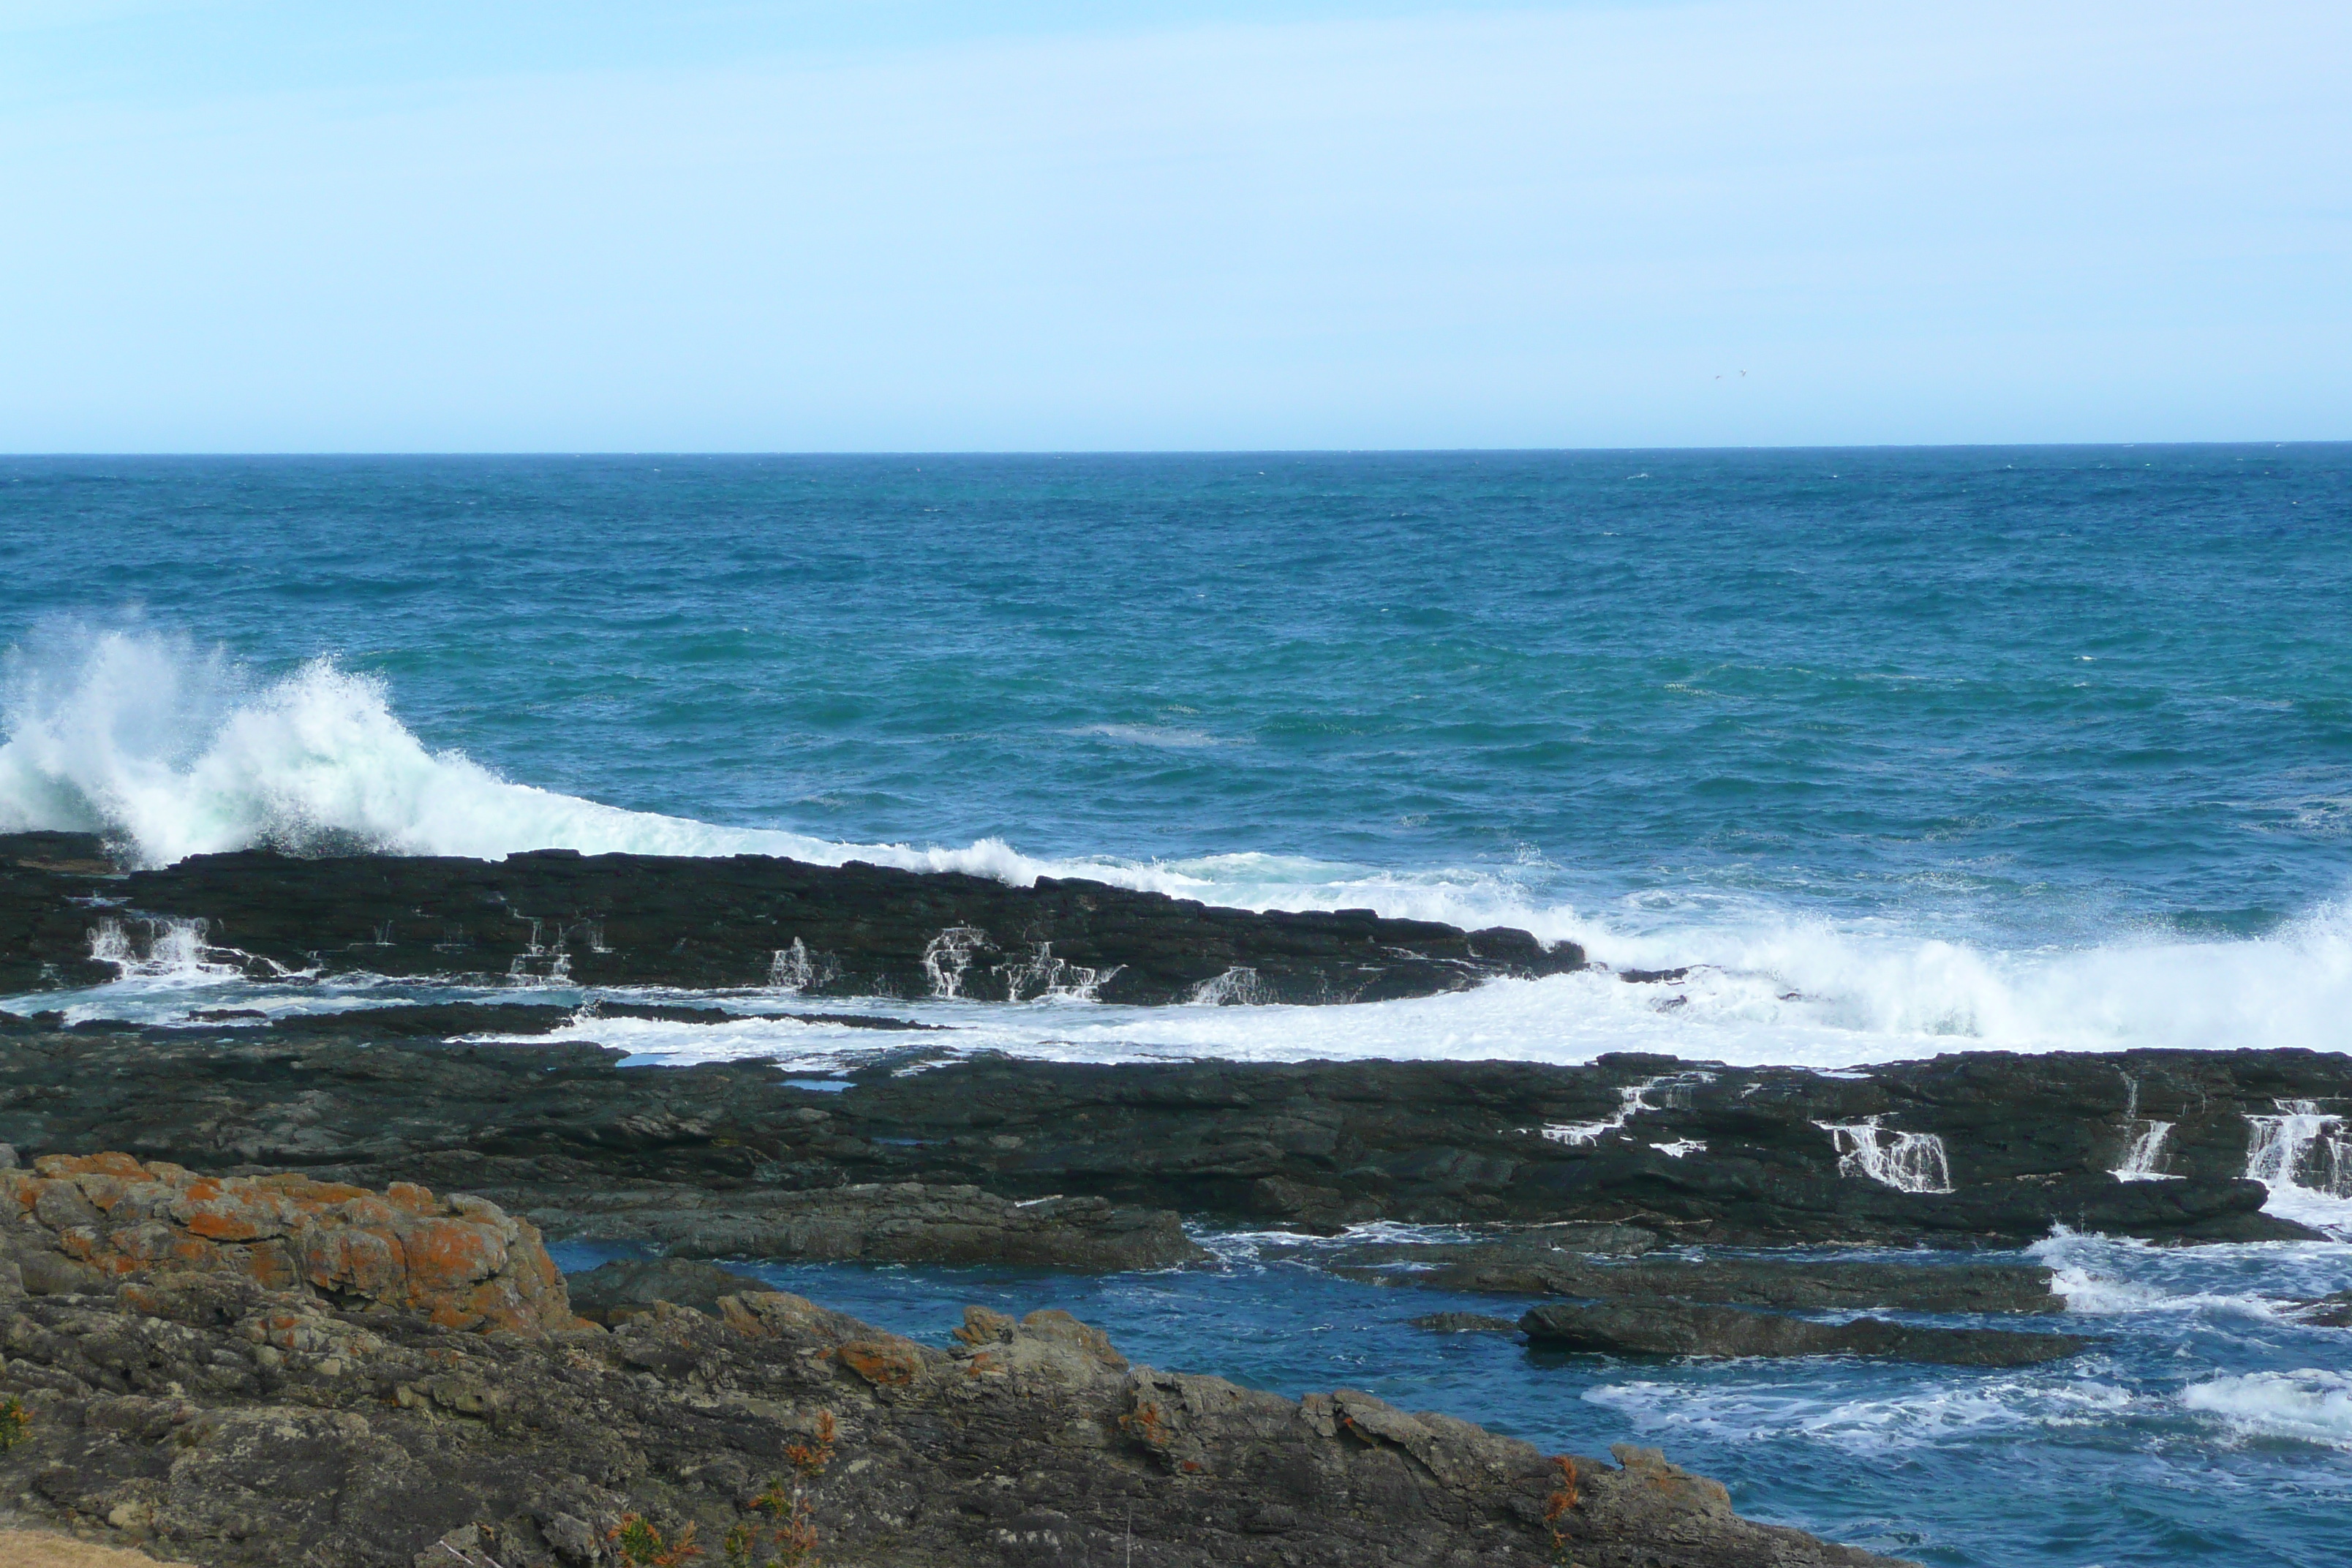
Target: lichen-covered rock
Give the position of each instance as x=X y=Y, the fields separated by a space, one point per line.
x=200 y=1416
x=84 y=1223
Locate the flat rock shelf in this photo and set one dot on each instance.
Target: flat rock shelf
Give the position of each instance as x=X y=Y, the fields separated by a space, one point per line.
x=741 y=921
x=1667 y=1152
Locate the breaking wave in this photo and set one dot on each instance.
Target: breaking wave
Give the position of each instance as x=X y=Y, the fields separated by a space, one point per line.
x=171 y=751
x=2310 y=1404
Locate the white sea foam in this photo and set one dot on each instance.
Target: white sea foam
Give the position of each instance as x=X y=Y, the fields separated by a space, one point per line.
x=2104 y=1276
x=2309 y=1404
x=2303 y=1156
x=175 y=752
x=2098 y=1296
x=1931 y=1412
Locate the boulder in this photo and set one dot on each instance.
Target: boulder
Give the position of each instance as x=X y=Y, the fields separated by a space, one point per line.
x=86 y=1223
x=625 y=1288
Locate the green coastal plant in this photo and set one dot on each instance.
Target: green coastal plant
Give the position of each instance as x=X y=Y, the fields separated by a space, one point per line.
x=786 y=1538
x=641 y=1546
x=15 y=1422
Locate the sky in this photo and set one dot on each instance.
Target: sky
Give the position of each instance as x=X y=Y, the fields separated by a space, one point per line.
x=909 y=225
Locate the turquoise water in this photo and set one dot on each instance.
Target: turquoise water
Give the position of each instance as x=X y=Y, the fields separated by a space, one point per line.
x=1912 y=751
x=2040 y=748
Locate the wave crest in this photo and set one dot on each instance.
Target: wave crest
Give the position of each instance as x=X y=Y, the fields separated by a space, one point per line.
x=173 y=751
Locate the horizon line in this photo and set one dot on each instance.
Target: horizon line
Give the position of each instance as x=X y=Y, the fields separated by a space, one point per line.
x=684 y=452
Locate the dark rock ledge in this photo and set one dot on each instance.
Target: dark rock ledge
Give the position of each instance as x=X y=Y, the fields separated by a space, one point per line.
x=278 y=1374
x=1684 y=1329
x=747 y=921
x=1521 y=1268
x=1723 y=1156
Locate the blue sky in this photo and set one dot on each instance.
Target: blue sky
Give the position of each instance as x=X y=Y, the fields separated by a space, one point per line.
x=902 y=225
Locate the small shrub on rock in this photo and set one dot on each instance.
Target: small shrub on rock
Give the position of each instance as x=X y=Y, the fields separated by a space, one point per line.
x=642 y=1545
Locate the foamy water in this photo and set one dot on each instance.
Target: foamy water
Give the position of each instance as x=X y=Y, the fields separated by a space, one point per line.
x=174 y=753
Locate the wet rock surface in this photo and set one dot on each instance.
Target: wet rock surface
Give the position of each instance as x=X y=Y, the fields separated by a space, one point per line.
x=211 y=1418
x=1464 y=1324
x=1687 y=1329
x=450 y=1020
x=1803 y=1284
x=1966 y=1150
x=2330 y=1312
x=747 y=921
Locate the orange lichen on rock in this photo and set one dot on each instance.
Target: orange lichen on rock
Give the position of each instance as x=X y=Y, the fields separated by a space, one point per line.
x=464 y=1262
x=890 y=1362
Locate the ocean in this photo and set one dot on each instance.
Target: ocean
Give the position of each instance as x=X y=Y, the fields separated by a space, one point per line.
x=1910 y=751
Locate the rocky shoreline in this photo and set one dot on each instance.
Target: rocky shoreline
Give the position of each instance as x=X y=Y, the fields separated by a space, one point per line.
x=276 y=1372
x=250 y=1333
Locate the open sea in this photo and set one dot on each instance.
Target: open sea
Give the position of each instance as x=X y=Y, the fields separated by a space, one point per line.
x=2031 y=748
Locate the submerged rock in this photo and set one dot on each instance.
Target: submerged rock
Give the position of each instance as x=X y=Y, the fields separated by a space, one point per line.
x=2330 y=1312
x=1684 y=1329
x=1464 y=1324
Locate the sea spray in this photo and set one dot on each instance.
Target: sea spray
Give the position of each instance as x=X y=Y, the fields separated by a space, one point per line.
x=172 y=749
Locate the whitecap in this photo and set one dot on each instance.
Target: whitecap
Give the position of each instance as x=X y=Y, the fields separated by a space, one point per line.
x=2308 y=1404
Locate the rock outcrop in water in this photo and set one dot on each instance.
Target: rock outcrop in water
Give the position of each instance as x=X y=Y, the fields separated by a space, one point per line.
x=1520 y=1268
x=204 y=1415
x=747 y=921
x=1666 y=1150
x=1686 y=1329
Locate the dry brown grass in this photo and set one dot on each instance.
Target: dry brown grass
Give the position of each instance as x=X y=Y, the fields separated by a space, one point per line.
x=39 y=1549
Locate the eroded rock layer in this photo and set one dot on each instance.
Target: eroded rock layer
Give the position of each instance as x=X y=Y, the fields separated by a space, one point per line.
x=1971 y=1150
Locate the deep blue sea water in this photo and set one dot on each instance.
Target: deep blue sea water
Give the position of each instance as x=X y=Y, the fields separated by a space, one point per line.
x=2035 y=749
